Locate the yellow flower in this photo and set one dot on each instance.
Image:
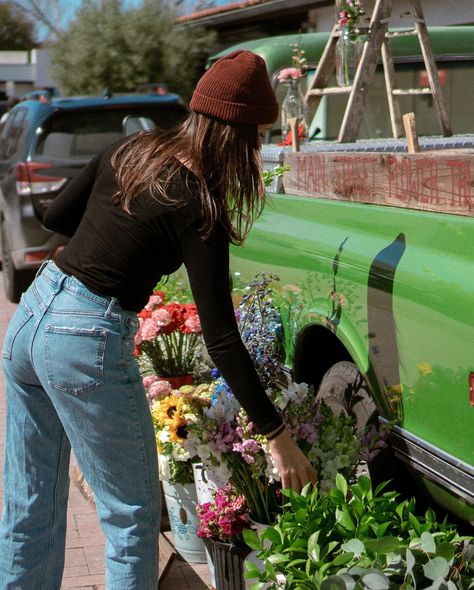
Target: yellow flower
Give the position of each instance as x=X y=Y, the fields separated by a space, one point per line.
x=425 y=368
x=165 y=411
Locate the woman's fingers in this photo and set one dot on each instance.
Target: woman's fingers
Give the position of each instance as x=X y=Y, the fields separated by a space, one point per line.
x=294 y=468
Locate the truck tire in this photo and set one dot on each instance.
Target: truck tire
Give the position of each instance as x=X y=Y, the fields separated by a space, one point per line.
x=15 y=281
x=344 y=390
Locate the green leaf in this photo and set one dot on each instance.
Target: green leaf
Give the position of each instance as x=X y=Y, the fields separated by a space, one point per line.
x=272 y=535
x=337 y=497
x=365 y=485
x=339 y=582
x=342 y=559
x=275 y=558
x=258 y=586
x=341 y=484
x=428 y=542
x=384 y=545
x=436 y=568
x=343 y=517
x=410 y=561
x=252 y=540
x=252 y=571
x=446 y=550
x=313 y=548
x=376 y=581
x=414 y=522
x=355 y=546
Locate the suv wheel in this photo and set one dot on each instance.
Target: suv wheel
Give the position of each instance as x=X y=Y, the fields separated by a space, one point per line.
x=15 y=281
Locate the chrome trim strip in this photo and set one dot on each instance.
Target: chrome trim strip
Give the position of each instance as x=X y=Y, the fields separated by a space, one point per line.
x=441 y=467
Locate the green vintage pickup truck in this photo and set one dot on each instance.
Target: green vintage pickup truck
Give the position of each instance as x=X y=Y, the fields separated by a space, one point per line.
x=386 y=241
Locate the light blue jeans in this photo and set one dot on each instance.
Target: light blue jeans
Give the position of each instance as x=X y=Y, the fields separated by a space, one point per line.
x=72 y=380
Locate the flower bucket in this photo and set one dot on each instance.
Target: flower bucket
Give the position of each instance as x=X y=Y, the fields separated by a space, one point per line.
x=228 y=562
x=205 y=485
x=181 y=506
x=177 y=381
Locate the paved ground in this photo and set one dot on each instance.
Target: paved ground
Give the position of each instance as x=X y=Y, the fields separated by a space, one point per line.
x=84 y=568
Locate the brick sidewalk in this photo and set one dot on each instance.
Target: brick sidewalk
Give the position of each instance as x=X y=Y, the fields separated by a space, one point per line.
x=84 y=566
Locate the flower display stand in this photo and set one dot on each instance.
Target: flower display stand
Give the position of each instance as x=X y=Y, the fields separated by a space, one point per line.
x=181 y=506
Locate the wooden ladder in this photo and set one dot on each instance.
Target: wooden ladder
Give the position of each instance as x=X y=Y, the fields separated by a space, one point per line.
x=378 y=38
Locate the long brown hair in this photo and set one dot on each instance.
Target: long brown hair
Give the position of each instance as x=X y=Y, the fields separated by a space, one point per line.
x=224 y=159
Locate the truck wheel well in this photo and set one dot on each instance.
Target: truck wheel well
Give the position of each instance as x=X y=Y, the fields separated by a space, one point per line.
x=316 y=350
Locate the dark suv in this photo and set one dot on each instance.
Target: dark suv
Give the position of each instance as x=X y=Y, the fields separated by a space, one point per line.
x=43 y=146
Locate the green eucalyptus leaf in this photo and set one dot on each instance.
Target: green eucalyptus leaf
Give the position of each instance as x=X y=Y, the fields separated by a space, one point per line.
x=355 y=546
x=376 y=580
x=410 y=561
x=338 y=582
x=436 y=568
x=428 y=542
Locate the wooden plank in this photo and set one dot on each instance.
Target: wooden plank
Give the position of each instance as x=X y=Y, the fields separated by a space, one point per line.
x=411 y=133
x=389 y=75
x=431 y=68
x=431 y=181
x=167 y=555
x=365 y=71
x=325 y=68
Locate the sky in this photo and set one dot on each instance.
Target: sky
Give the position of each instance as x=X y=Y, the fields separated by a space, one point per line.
x=69 y=8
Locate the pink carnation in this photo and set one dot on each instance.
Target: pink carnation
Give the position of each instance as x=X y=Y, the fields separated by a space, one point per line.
x=193 y=324
x=289 y=74
x=159 y=389
x=149 y=380
x=154 y=301
x=162 y=317
x=149 y=329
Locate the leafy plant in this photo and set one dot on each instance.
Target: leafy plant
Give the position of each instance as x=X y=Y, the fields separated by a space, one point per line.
x=355 y=538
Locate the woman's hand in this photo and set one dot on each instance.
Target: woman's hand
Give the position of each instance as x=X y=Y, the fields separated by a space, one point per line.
x=294 y=468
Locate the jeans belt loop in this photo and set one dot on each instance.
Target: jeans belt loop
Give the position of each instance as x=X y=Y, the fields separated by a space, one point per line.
x=42 y=267
x=108 y=312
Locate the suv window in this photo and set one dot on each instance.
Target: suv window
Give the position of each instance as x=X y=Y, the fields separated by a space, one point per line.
x=11 y=134
x=83 y=133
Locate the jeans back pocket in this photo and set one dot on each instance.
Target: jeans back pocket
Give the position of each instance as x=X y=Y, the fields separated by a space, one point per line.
x=19 y=320
x=74 y=358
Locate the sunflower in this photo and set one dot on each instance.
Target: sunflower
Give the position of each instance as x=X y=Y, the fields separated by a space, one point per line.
x=167 y=410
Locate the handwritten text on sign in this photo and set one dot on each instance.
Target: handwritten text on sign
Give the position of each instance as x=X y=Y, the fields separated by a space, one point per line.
x=435 y=181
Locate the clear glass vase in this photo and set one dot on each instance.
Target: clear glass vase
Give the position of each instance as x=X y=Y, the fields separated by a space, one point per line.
x=293 y=107
x=348 y=54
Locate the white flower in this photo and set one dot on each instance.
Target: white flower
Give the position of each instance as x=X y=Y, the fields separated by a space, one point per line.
x=179 y=454
x=164 y=436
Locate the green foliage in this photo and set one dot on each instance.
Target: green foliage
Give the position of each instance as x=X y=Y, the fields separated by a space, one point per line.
x=109 y=45
x=17 y=32
x=356 y=538
x=176 y=288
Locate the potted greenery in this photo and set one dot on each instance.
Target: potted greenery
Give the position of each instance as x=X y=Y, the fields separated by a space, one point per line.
x=355 y=538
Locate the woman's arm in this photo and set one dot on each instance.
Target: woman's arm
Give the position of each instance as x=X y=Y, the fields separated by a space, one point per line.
x=207 y=263
x=65 y=212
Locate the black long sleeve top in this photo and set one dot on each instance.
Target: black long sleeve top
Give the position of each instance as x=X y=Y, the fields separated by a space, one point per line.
x=124 y=255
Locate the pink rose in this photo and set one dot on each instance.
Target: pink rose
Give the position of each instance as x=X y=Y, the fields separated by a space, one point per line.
x=154 y=301
x=193 y=324
x=159 y=389
x=149 y=380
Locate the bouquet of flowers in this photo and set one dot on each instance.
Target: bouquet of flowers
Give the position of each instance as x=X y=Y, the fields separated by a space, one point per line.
x=169 y=336
x=225 y=517
x=172 y=413
x=350 y=12
x=227 y=441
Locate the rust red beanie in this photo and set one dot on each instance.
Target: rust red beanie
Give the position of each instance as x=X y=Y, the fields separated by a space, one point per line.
x=236 y=89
